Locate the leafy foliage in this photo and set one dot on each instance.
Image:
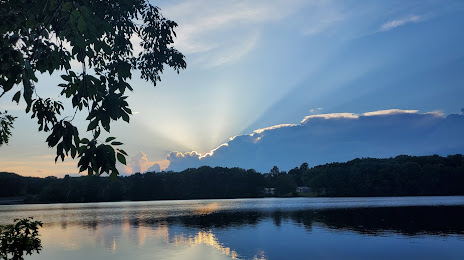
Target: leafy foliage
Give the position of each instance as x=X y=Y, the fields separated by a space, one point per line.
x=20 y=238
x=45 y=36
x=6 y=124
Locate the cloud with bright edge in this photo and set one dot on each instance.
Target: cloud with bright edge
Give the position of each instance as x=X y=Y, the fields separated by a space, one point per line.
x=138 y=163
x=335 y=137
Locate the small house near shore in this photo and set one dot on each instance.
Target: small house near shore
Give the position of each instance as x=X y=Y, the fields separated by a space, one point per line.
x=303 y=189
x=269 y=191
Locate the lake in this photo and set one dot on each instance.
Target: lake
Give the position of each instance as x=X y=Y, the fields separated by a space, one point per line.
x=274 y=228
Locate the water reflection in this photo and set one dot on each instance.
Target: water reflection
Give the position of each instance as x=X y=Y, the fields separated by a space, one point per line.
x=250 y=229
x=116 y=239
x=408 y=221
x=207 y=209
x=207 y=238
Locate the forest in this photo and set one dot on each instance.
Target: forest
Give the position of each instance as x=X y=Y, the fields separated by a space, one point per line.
x=399 y=176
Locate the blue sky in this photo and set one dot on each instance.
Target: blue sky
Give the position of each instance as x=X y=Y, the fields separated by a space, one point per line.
x=257 y=64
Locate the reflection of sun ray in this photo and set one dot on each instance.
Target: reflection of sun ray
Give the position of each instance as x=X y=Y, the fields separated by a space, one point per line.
x=206 y=238
x=142 y=236
x=114 y=245
x=162 y=231
x=260 y=255
x=206 y=209
x=114 y=238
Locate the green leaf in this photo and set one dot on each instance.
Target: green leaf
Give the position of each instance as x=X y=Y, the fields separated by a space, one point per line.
x=125 y=117
x=85 y=11
x=123 y=152
x=17 y=96
x=73 y=152
x=109 y=139
x=106 y=49
x=97 y=133
x=116 y=143
x=28 y=91
x=84 y=141
x=121 y=158
x=66 y=77
x=81 y=25
x=66 y=6
x=114 y=171
x=75 y=14
x=92 y=125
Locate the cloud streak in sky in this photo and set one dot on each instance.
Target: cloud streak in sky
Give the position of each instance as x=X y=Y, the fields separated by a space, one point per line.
x=225 y=30
x=325 y=138
x=400 y=22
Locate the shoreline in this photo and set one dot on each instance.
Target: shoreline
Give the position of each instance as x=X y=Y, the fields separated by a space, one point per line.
x=21 y=200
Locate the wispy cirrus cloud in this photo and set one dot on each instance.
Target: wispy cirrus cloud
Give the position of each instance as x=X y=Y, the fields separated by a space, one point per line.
x=236 y=52
x=223 y=28
x=400 y=22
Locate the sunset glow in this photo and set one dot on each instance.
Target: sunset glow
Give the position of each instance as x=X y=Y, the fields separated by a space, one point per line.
x=259 y=67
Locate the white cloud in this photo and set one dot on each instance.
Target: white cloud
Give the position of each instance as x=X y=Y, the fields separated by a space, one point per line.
x=400 y=22
x=138 y=163
x=186 y=160
x=154 y=168
x=224 y=27
x=390 y=112
x=327 y=138
x=315 y=110
x=259 y=131
x=236 y=52
x=330 y=116
x=324 y=15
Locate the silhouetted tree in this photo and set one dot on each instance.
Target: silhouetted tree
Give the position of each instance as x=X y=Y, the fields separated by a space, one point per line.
x=47 y=35
x=6 y=124
x=19 y=239
x=274 y=171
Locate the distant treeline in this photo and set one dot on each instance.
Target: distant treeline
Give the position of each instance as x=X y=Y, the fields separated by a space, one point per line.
x=399 y=176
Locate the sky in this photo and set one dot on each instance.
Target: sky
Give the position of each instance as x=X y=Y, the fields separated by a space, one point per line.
x=281 y=83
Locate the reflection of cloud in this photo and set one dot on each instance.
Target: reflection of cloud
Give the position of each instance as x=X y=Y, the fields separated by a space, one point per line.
x=206 y=209
x=206 y=238
x=324 y=138
x=400 y=22
x=162 y=231
x=115 y=238
x=65 y=239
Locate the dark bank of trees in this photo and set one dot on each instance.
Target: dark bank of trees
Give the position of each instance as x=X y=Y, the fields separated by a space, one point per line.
x=202 y=183
x=399 y=176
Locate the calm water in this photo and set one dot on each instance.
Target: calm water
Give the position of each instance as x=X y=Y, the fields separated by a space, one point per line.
x=297 y=228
